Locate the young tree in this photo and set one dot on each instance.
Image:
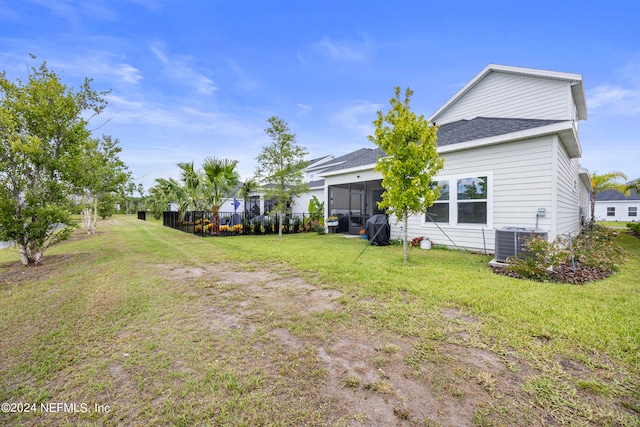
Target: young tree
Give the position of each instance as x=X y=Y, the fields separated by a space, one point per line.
x=411 y=163
x=248 y=188
x=280 y=167
x=160 y=195
x=43 y=139
x=606 y=181
x=101 y=175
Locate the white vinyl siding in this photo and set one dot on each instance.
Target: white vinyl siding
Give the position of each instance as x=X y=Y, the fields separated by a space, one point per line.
x=621 y=210
x=520 y=181
x=512 y=96
x=567 y=189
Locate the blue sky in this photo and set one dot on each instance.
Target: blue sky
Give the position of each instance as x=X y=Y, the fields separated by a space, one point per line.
x=191 y=79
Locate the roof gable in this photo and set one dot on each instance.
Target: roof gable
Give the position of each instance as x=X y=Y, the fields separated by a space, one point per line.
x=505 y=91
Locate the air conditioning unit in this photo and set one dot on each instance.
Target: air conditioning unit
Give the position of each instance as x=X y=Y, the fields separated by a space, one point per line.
x=510 y=241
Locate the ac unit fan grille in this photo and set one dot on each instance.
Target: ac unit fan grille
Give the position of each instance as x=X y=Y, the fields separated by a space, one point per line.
x=510 y=241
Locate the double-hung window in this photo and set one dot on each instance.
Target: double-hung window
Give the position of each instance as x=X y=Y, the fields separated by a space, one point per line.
x=472 y=200
x=439 y=212
x=633 y=211
x=611 y=211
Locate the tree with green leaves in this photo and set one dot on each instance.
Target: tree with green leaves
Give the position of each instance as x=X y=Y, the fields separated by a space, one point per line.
x=44 y=140
x=281 y=167
x=160 y=195
x=249 y=187
x=634 y=185
x=606 y=181
x=411 y=163
x=221 y=179
x=101 y=175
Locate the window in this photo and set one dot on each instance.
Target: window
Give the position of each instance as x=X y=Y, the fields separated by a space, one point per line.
x=611 y=211
x=439 y=212
x=472 y=200
x=633 y=211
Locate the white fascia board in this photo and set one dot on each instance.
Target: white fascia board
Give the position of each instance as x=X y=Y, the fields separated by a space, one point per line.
x=577 y=90
x=573 y=78
x=583 y=173
x=565 y=129
x=320 y=163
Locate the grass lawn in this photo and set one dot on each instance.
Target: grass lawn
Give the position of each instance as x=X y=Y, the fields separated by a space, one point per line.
x=614 y=224
x=145 y=325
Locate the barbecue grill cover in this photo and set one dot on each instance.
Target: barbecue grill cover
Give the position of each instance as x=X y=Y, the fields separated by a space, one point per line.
x=377 y=230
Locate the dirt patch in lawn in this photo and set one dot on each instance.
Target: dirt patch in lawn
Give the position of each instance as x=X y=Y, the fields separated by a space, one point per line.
x=264 y=346
x=364 y=374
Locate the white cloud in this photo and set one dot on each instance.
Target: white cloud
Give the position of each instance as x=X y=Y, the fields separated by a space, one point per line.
x=303 y=109
x=244 y=81
x=100 y=64
x=344 y=50
x=622 y=97
x=178 y=68
x=358 y=117
x=606 y=95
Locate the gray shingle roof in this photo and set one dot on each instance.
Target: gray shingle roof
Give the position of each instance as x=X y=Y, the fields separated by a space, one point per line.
x=448 y=134
x=484 y=127
x=317 y=183
x=612 y=195
x=361 y=157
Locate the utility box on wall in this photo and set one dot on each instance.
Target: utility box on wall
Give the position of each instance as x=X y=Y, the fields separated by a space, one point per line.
x=510 y=241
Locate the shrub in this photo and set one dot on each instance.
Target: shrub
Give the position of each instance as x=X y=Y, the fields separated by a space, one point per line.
x=246 y=226
x=257 y=226
x=268 y=226
x=595 y=251
x=596 y=247
x=296 y=224
x=634 y=227
x=539 y=255
x=320 y=230
x=415 y=242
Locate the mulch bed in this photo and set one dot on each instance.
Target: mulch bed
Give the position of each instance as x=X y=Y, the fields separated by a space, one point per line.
x=564 y=274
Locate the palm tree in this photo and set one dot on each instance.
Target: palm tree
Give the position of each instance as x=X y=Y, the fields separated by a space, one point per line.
x=248 y=188
x=606 y=181
x=634 y=185
x=192 y=195
x=221 y=177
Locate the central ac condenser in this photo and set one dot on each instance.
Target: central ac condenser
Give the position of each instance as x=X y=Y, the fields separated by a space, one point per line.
x=510 y=241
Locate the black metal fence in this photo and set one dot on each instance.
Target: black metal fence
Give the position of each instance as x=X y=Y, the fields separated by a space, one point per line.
x=202 y=223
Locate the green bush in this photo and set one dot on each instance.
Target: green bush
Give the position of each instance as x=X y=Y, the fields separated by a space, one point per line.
x=634 y=227
x=595 y=247
x=297 y=222
x=539 y=255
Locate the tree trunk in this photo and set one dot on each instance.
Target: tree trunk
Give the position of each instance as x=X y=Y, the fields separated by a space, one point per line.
x=593 y=206
x=215 y=219
x=405 y=221
x=85 y=216
x=94 y=224
x=28 y=256
x=279 y=225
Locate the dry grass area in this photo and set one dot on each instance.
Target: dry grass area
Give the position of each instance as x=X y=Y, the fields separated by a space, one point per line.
x=177 y=340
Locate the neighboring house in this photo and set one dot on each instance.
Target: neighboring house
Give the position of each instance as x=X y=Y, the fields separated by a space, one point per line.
x=510 y=143
x=612 y=205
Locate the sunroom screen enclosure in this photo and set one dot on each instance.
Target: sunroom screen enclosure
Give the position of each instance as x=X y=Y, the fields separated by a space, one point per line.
x=354 y=203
